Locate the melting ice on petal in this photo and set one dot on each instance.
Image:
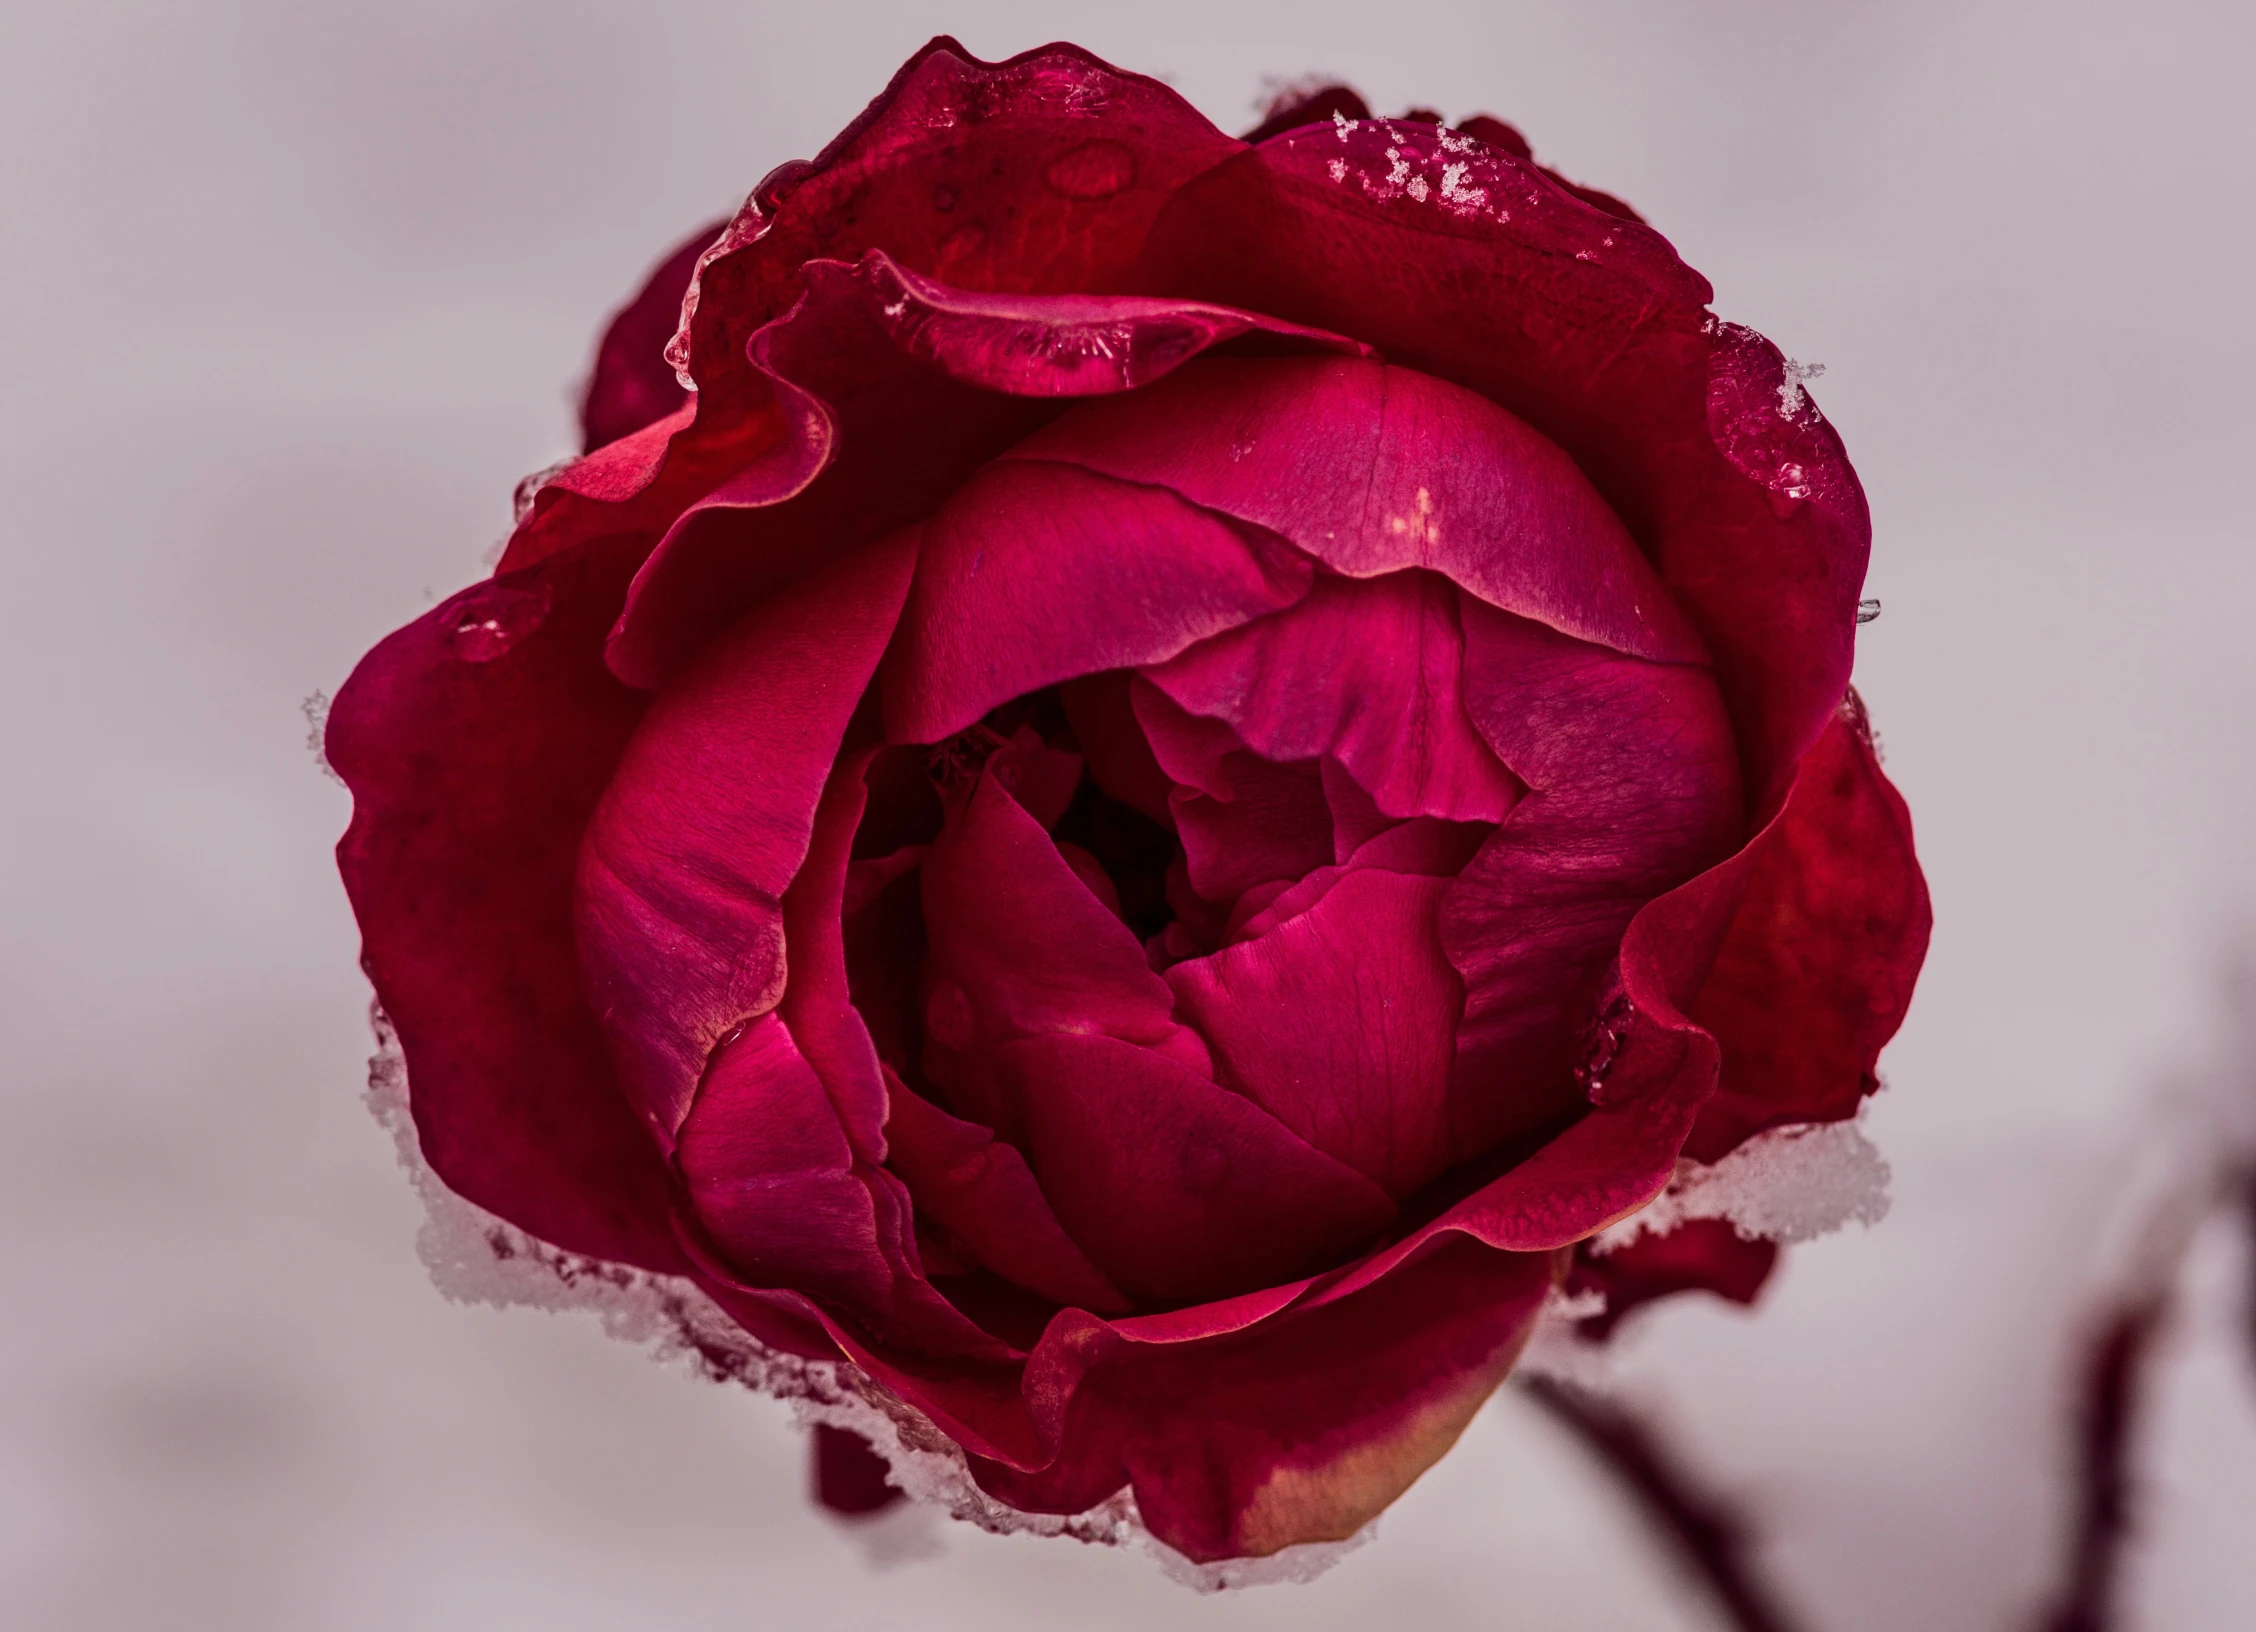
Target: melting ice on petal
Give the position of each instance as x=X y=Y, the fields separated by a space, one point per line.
x=1787 y=1184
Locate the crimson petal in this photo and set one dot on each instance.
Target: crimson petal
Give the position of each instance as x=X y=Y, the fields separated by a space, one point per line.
x=1180 y=1191
x=476 y=741
x=1818 y=968
x=708 y=818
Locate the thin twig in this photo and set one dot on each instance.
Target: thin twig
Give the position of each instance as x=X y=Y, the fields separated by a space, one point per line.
x=1713 y=1539
x=2113 y=1392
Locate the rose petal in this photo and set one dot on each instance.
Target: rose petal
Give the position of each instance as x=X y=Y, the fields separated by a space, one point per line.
x=1244 y=821
x=1041 y=173
x=1019 y=947
x=708 y=818
x=1632 y=781
x=982 y=1191
x=471 y=781
x=1339 y=1022
x=1592 y=331
x=771 y=1176
x=1034 y=574
x=1372 y=469
x=1180 y=1191
x=1299 y=1429
x=1699 y=1255
x=1818 y=968
x=1366 y=673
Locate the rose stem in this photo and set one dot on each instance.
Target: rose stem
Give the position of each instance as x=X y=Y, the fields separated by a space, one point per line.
x=1712 y=1538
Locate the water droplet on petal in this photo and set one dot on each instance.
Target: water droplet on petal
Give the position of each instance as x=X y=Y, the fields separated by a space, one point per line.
x=1868 y=611
x=495 y=617
x=1093 y=170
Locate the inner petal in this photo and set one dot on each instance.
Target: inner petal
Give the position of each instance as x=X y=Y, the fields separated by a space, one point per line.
x=1365 y=672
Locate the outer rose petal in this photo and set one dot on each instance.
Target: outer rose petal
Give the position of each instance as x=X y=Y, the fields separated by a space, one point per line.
x=1040 y=174
x=1460 y=261
x=708 y=817
x=1699 y=1255
x=476 y=741
x=893 y=389
x=632 y=384
x=1818 y=968
x=1300 y=1429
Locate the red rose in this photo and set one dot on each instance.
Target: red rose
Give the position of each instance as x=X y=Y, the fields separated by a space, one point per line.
x=1188 y=763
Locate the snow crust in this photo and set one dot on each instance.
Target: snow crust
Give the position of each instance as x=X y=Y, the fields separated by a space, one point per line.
x=1787 y=1184
x=477 y=1257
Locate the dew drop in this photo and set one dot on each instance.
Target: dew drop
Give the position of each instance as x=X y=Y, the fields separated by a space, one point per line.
x=492 y=618
x=1868 y=611
x=1093 y=170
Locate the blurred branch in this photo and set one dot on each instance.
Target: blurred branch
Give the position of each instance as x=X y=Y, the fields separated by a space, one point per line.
x=1710 y=1536
x=2112 y=1391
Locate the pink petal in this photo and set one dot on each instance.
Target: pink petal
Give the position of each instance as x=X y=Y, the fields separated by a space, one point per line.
x=1020 y=947
x=1818 y=968
x=892 y=389
x=1589 y=329
x=982 y=1191
x=1633 y=787
x=1034 y=574
x=1243 y=820
x=1372 y=469
x=1366 y=673
x=471 y=782
x=708 y=818
x=1339 y=1022
x=773 y=1179
x=1180 y=1191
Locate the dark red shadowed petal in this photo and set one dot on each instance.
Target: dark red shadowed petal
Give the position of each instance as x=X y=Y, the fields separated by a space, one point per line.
x=1032 y=574
x=1498 y=134
x=1316 y=107
x=1302 y=1428
x=772 y=1179
x=1040 y=174
x=1372 y=469
x=1180 y=1191
x=1818 y=968
x=982 y=1192
x=1339 y=1022
x=708 y=818
x=1699 y=1255
x=632 y=384
x=476 y=742
x=1632 y=779
x=895 y=388
x=850 y=1478
x=1365 y=672
x=1456 y=259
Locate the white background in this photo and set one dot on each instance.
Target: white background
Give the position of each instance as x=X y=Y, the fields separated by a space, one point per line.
x=293 y=293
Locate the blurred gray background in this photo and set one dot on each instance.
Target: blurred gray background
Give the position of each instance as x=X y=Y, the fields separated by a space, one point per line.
x=294 y=293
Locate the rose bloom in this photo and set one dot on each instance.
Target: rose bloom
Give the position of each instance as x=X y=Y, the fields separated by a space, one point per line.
x=1189 y=762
